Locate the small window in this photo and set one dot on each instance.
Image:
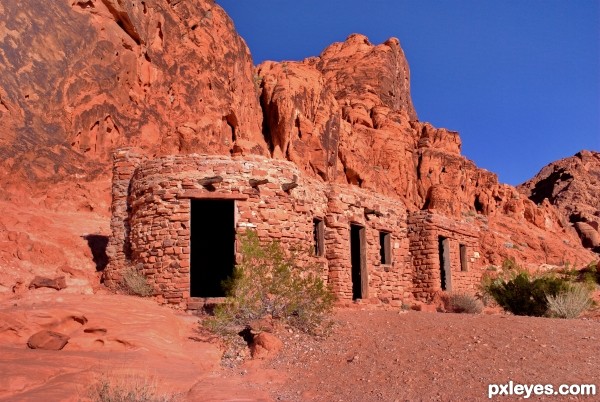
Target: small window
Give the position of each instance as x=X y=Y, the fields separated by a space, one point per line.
x=463 y=258
x=319 y=237
x=385 y=250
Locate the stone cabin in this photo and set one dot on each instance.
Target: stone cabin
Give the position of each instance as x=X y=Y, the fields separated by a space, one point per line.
x=175 y=219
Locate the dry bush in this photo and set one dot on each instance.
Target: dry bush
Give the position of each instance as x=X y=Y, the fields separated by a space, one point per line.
x=569 y=303
x=464 y=303
x=135 y=283
x=127 y=388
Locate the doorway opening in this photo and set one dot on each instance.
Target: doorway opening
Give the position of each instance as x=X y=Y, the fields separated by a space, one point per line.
x=212 y=246
x=360 y=281
x=445 y=270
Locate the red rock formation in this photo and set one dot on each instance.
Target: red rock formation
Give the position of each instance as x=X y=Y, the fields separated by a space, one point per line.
x=344 y=115
x=82 y=77
x=347 y=117
x=573 y=186
x=48 y=340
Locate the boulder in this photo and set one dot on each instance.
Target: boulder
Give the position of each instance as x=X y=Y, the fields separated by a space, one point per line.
x=42 y=282
x=265 y=345
x=590 y=237
x=48 y=340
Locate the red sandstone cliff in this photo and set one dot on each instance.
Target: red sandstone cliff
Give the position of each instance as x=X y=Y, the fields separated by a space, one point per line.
x=83 y=77
x=573 y=186
x=80 y=78
x=347 y=116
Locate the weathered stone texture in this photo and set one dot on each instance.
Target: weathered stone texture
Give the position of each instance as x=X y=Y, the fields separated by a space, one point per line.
x=573 y=186
x=82 y=78
x=151 y=225
x=158 y=212
x=425 y=229
x=350 y=205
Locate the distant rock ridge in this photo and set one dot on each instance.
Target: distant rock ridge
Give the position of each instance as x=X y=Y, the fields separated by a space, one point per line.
x=81 y=78
x=573 y=186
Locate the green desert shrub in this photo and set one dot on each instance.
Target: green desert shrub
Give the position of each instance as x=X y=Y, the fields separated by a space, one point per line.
x=571 y=302
x=135 y=283
x=464 y=303
x=590 y=274
x=524 y=294
x=271 y=283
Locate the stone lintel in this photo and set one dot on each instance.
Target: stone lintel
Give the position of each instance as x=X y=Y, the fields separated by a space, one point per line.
x=201 y=194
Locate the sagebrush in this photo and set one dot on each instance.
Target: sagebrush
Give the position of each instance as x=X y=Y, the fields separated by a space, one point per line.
x=589 y=274
x=464 y=303
x=558 y=294
x=127 y=387
x=135 y=283
x=571 y=302
x=269 y=282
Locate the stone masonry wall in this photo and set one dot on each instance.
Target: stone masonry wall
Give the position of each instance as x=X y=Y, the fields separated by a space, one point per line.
x=389 y=283
x=425 y=228
x=152 y=215
x=125 y=161
x=159 y=216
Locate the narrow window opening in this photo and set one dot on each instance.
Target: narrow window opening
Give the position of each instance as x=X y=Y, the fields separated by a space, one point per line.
x=385 y=250
x=319 y=237
x=232 y=124
x=463 y=258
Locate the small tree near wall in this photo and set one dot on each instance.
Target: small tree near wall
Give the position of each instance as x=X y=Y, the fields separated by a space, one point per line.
x=271 y=283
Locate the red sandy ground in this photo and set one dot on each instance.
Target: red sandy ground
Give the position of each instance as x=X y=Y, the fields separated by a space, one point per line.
x=407 y=356
x=371 y=355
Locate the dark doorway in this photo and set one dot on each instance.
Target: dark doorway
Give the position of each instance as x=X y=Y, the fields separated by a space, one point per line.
x=445 y=271
x=212 y=246
x=359 y=262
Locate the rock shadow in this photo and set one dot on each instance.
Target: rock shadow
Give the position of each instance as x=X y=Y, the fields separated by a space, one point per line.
x=97 y=244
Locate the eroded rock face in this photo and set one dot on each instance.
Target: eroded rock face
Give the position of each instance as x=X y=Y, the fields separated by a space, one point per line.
x=344 y=115
x=82 y=77
x=347 y=117
x=573 y=186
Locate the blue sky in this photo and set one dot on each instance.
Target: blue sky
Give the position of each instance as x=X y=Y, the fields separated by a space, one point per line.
x=519 y=79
